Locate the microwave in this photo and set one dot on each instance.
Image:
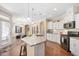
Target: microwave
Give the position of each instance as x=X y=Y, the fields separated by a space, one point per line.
x=70 y=25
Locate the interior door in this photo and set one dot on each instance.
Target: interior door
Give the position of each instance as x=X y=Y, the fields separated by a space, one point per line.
x=42 y=28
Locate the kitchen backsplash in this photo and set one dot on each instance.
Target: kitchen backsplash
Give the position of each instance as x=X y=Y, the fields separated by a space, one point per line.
x=64 y=31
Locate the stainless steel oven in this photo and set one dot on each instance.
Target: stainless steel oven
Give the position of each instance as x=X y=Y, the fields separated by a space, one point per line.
x=65 y=42
x=73 y=33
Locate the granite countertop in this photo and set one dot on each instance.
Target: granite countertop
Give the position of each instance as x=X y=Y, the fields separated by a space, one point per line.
x=75 y=37
x=34 y=40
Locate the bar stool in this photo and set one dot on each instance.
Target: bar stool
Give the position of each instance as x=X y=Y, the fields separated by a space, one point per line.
x=23 y=50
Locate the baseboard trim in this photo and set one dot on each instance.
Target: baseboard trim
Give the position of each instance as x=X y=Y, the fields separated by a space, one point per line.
x=54 y=42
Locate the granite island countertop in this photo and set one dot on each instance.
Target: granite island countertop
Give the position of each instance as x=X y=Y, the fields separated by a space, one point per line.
x=34 y=40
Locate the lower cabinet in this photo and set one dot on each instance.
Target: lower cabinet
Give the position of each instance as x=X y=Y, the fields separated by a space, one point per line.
x=53 y=37
x=50 y=36
x=74 y=46
x=57 y=38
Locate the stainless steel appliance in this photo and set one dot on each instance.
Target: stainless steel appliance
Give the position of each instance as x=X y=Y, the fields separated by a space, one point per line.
x=73 y=33
x=69 y=25
x=65 y=42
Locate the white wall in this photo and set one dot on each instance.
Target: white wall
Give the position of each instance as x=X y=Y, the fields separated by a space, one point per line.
x=5 y=16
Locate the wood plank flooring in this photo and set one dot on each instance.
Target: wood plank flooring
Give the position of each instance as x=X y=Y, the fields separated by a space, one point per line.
x=54 y=49
x=13 y=50
x=51 y=49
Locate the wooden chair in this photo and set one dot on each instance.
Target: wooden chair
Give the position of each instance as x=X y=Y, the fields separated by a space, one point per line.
x=23 y=50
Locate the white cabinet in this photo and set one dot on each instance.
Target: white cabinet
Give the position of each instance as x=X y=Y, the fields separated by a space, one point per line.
x=74 y=46
x=53 y=37
x=54 y=24
x=50 y=25
x=77 y=21
x=50 y=36
x=58 y=25
x=58 y=38
x=77 y=24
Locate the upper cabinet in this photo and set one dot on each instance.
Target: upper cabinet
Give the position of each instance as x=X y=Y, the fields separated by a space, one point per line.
x=76 y=9
x=76 y=16
x=50 y=25
x=54 y=25
x=77 y=21
x=58 y=25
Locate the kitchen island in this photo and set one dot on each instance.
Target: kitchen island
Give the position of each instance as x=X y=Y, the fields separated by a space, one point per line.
x=35 y=45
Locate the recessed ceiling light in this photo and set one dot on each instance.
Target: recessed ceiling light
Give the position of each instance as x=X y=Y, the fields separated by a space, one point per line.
x=28 y=18
x=55 y=9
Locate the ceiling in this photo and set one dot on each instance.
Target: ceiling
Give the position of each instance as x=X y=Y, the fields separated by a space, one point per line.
x=37 y=10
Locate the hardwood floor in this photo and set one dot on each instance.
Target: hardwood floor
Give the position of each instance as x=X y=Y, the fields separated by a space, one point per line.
x=52 y=49
x=13 y=50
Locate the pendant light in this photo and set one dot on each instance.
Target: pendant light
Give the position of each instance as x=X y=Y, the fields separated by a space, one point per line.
x=28 y=17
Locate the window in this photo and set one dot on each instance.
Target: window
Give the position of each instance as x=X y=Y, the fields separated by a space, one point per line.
x=5 y=30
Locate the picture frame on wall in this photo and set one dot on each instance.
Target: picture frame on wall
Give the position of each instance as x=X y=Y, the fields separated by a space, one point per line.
x=18 y=29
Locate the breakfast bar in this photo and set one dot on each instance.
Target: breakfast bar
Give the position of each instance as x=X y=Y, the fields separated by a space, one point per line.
x=35 y=45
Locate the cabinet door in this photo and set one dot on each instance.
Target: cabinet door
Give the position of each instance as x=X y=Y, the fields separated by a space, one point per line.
x=60 y=25
x=50 y=25
x=55 y=25
x=74 y=46
x=77 y=24
x=58 y=38
x=77 y=20
x=48 y=36
x=77 y=47
x=53 y=37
